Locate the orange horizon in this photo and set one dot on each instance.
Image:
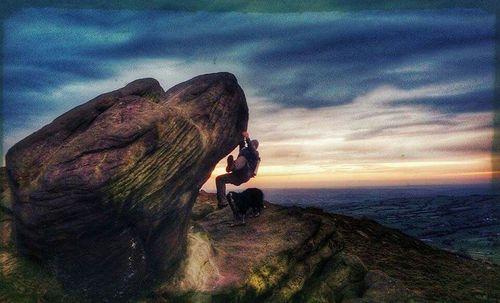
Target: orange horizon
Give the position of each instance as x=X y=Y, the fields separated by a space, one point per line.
x=473 y=171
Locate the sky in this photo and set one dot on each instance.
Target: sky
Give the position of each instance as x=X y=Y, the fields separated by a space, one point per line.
x=336 y=99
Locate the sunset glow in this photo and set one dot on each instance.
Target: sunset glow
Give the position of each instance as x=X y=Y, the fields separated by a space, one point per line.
x=376 y=174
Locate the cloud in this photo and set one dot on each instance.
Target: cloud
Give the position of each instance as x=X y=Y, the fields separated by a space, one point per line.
x=298 y=60
x=333 y=92
x=371 y=130
x=311 y=148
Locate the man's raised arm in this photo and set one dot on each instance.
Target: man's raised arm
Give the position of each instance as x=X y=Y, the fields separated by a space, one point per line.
x=245 y=141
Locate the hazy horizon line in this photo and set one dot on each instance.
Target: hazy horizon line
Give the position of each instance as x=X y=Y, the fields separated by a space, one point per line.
x=479 y=184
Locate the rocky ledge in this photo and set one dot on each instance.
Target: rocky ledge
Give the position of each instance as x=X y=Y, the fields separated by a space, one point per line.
x=292 y=254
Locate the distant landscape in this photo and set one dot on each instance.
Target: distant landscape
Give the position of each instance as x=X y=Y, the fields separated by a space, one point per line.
x=464 y=219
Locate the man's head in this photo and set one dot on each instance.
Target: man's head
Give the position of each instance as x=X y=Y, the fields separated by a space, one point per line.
x=255 y=144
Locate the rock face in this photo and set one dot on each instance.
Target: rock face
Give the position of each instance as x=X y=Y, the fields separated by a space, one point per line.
x=104 y=192
x=5 y=209
x=292 y=254
x=284 y=255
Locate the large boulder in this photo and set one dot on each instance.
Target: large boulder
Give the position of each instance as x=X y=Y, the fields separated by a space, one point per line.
x=104 y=192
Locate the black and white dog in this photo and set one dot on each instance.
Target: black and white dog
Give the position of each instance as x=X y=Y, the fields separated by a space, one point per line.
x=240 y=203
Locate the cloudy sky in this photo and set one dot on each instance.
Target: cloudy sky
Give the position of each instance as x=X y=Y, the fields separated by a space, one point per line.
x=336 y=99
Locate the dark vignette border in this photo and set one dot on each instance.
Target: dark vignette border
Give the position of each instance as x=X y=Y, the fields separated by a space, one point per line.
x=8 y=7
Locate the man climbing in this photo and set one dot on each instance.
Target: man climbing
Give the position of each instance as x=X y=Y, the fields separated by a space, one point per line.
x=240 y=170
